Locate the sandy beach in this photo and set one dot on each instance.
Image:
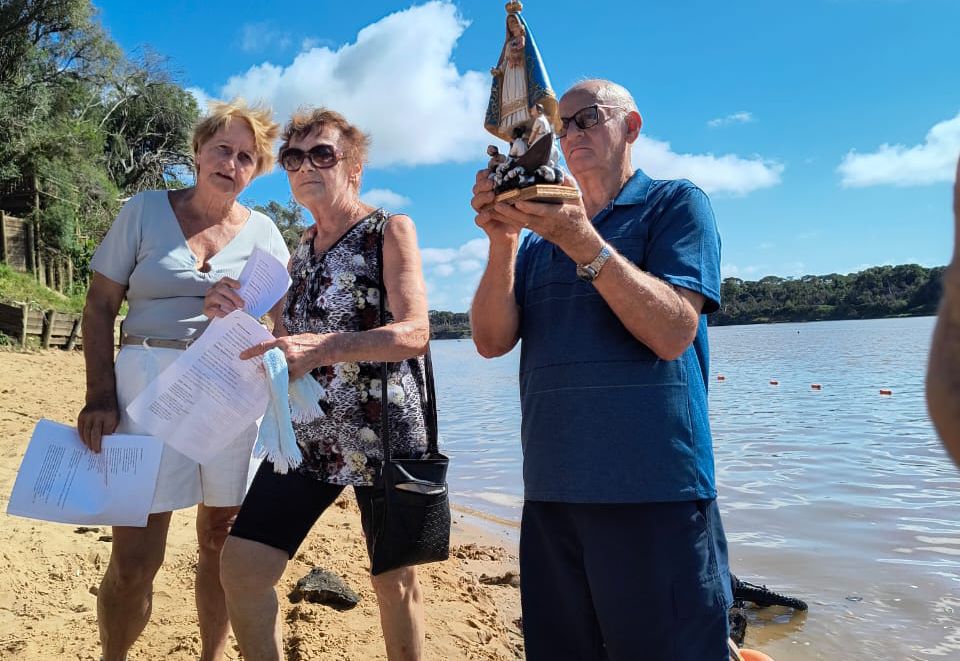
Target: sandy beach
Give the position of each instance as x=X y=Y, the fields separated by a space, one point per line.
x=50 y=572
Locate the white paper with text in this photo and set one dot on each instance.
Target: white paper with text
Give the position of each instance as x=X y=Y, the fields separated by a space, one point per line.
x=203 y=401
x=61 y=480
x=263 y=281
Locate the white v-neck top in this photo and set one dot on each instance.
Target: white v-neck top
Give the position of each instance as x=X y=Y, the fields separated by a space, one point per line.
x=145 y=251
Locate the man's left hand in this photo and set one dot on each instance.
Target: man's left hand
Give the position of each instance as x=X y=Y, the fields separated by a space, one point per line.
x=566 y=225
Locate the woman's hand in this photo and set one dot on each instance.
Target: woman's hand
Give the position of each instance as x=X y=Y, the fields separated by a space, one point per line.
x=303 y=352
x=222 y=298
x=98 y=418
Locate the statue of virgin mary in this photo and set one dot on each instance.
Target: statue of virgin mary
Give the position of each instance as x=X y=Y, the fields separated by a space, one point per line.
x=520 y=81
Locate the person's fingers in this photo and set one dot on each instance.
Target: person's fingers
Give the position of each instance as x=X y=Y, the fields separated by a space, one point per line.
x=510 y=214
x=482 y=181
x=229 y=282
x=482 y=199
x=96 y=434
x=257 y=350
x=111 y=423
x=540 y=209
x=83 y=428
x=232 y=296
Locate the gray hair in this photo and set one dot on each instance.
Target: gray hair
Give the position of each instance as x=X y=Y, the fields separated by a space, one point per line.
x=606 y=92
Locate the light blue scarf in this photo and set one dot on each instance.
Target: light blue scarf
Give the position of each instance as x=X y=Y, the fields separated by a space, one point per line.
x=297 y=401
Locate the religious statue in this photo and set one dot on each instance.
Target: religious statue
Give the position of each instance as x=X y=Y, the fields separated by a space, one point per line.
x=523 y=111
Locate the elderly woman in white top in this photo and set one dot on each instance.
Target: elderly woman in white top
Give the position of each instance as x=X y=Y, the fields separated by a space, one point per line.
x=162 y=254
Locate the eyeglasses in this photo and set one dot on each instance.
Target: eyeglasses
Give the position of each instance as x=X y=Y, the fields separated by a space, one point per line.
x=321 y=157
x=584 y=118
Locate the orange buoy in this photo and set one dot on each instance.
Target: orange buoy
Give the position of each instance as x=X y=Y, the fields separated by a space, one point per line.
x=721 y=377
x=774 y=382
x=816 y=386
x=884 y=391
x=754 y=655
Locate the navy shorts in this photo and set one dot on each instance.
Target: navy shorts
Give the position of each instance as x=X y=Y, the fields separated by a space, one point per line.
x=624 y=581
x=279 y=510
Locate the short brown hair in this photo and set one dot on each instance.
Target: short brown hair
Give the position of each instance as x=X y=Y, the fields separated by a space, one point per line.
x=259 y=118
x=306 y=120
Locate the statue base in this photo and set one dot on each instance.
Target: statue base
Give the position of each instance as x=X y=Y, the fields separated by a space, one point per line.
x=547 y=193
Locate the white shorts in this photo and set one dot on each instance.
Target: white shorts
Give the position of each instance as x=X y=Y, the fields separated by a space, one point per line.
x=182 y=482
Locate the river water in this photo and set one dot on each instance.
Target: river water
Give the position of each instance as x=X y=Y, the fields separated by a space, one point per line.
x=841 y=496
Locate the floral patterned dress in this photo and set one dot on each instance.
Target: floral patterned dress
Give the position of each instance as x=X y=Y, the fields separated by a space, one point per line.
x=338 y=292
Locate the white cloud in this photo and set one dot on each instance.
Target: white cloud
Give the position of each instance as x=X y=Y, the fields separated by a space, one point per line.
x=201 y=97
x=257 y=37
x=759 y=271
x=386 y=198
x=742 y=117
x=397 y=81
x=453 y=274
x=728 y=173
x=474 y=249
x=931 y=162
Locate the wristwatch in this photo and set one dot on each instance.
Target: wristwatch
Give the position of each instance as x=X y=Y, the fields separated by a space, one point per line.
x=589 y=272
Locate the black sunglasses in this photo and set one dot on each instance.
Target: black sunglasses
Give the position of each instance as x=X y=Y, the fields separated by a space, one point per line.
x=321 y=157
x=584 y=118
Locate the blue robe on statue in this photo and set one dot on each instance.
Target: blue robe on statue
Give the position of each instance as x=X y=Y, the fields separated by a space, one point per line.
x=521 y=83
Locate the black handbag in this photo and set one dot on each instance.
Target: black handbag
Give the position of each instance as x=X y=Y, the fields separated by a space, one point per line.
x=410 y=504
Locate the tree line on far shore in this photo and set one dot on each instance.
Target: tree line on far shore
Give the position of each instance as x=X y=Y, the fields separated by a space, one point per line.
x=908 y=290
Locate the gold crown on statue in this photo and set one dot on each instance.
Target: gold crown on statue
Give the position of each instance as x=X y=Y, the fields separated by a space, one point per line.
x=514 y=7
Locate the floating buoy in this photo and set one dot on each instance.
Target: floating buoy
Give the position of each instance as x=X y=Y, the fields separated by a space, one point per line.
x=884 y=391
x=754 y=655
x=774 y=382
x=721 y=377
x=816 y=386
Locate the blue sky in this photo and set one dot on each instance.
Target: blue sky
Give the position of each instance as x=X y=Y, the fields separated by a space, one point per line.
x=825 y=131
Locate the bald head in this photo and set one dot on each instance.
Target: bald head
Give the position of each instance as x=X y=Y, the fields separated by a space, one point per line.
x=606 y=92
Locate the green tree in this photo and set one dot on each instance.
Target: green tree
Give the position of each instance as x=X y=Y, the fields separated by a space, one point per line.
x=289 y=219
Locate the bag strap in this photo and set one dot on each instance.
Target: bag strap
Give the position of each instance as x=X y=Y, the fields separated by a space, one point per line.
x=428 y=398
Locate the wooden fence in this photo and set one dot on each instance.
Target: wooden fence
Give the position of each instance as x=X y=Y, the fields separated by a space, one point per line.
x=16 y=243
x=20 y=250
x=51 y=328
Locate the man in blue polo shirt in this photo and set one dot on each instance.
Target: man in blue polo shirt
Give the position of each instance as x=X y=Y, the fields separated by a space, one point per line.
x=622 y=553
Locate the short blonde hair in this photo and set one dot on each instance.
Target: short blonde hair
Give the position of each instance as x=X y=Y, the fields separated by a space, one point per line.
x=259 y=118
x=306 y=120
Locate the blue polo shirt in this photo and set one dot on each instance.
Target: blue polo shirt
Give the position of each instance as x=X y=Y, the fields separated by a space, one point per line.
x=604 y=420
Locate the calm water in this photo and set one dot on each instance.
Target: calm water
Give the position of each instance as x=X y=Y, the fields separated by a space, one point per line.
x=840 y=496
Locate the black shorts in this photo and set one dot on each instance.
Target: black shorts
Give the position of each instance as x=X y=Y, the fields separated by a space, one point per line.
x=280 y=510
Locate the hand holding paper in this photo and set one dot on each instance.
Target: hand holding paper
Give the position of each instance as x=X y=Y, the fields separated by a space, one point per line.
x=263 y=281
x=208 y=396
x=61 y=480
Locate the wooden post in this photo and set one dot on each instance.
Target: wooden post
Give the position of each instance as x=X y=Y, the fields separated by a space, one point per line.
x=72 y=340
x=69 y=273
x=36 y=224
x=61 y=276
x=4 y=248
x=49 y=317
x=24 y=310
x=31 y=247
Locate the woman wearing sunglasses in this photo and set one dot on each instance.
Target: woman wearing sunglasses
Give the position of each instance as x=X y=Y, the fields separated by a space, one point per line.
x=162 y=254
x=330 y=328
